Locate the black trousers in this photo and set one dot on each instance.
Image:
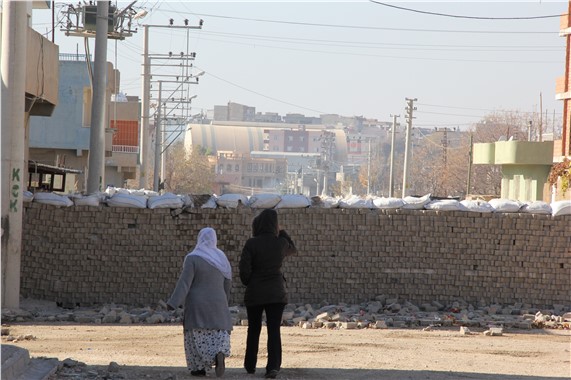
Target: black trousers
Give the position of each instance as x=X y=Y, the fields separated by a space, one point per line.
x=274 y=313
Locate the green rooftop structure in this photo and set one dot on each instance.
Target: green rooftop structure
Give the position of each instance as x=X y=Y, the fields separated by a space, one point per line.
x=525 y=167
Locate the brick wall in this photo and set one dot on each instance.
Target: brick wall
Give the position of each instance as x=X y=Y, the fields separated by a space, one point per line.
x=85 y=255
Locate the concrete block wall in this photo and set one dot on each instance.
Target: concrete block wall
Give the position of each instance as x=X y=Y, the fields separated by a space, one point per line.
x=86 y=255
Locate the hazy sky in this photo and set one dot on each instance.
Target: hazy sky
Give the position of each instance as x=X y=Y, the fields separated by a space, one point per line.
x=356 y=57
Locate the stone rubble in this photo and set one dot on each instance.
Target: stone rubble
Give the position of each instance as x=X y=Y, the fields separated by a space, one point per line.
x=381 y=313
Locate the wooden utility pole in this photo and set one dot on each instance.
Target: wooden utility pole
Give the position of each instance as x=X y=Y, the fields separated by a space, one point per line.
x=409 y=109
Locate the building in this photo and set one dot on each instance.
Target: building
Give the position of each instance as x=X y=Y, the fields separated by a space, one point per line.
x=562 y=148
x=63 y=139
x=246 y=174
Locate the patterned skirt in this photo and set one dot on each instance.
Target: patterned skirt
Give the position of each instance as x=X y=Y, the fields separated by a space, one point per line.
x=202 y=345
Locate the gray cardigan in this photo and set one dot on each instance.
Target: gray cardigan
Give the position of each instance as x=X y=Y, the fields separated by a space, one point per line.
x=204 y=293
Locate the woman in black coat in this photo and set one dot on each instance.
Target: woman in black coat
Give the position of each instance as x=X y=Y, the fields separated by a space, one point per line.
x=260 y=271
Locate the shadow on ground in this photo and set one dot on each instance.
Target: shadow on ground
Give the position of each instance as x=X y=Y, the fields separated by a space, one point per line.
x=179 y=373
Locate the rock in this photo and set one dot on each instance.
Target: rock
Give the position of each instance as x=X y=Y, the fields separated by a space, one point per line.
x=465 y=330
x=113 y=367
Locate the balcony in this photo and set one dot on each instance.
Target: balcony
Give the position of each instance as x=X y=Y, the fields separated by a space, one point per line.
x=42 y=75
x=560 y=93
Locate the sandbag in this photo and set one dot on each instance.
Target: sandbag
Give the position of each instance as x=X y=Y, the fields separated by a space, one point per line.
x=356 y=202
x=211 y=202
x=559 y=208
x=264 y=200
x=127 y=200
x=53 y=199
x=388 y=203
x=536 y=207
x=87 y=200
x=416 y=203
x=443 y=205
x=231 y=200
x=476 y=206
x=293 y=201
x=505 y=205
x=167 y=200
x=28 y=196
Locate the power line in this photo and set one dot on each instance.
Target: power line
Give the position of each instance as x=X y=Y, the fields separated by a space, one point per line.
x=385 y=45
x=366 y=27
x=460 y=16
x=260 y=94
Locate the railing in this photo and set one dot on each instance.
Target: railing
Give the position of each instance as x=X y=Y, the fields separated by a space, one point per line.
x=125 y=149
x=72 y=57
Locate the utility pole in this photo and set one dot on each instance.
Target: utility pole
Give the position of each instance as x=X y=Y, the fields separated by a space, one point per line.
x=96 y=166
x=145 y=95
x=529 y=130
x=14 y=42
x=391 y=175
x=158 y=121
x=182 y=79
x=102 y=21
x=469 y=184
x=409 y=110
x=369 y=168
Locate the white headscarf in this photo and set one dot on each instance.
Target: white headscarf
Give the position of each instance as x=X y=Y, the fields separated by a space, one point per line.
x=206 y=249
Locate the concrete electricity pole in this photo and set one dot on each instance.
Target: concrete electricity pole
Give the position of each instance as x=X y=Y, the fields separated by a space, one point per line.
x=96 y=168
x=409 y=109
x=182 y=79
x=145 y=94
x=14 y=41
x=391 y=175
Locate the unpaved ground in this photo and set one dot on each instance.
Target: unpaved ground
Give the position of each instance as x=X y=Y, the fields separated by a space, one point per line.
x=156 y=352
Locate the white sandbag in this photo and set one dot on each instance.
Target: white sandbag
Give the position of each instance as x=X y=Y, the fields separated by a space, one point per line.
x=186 y=200
x=505 y=205
x=210 y=203
x=52 y=199
x=139 y=192
x=264 y=200
x=231 y=200
x=388 y=203
x=476 y=206
x=110 y=191
x=28 y=196
x=127 y=200
x=330 y=202
x=150 y=193
x=87 y=200
x=416 y=203
x=167 y=200
x=293 y=201
x=121 y=190
x=356 y=202
x=536 y=207
x=559 y=208
x=443 y=205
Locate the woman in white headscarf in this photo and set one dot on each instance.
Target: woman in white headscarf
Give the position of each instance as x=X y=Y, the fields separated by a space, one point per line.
x=203 y=290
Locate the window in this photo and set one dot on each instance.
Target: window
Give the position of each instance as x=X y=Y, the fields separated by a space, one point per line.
x=228 y=167
x=249 y=170
x=254 y=167
x=289 y=148
x=290 y=138
x=86 y=119
x=301 y=138
x=237 y=168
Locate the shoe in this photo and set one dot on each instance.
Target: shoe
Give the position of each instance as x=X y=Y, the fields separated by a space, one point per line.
x=220 y=366
x=272 y=374
x=200 y=373
x=251 y=371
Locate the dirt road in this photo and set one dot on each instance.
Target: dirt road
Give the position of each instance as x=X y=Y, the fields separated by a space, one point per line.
x=156 y=352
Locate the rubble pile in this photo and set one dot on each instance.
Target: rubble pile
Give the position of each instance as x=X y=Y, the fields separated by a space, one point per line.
x=379 y=313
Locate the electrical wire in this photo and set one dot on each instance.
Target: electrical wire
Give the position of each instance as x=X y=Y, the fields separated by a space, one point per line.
x=466 y=17
x=258 y=93
x=366 y=27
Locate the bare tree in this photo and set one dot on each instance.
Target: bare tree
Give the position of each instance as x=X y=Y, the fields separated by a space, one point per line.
x=187 y=172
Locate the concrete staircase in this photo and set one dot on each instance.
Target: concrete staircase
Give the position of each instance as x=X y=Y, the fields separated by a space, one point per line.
x=17 y=365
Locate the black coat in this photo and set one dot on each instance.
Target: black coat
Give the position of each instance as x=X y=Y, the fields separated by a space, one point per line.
x=261 y=262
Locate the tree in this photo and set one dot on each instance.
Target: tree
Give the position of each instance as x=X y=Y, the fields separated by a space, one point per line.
x=187 y=172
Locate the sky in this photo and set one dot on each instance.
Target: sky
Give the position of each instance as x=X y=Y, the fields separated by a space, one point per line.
x=461 y=60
